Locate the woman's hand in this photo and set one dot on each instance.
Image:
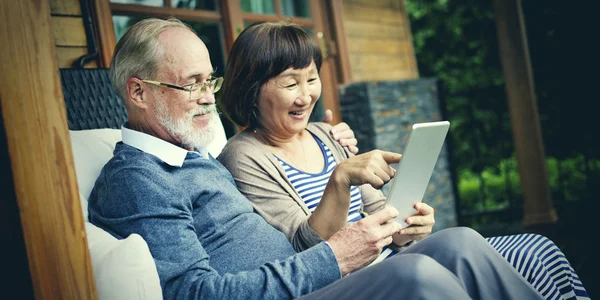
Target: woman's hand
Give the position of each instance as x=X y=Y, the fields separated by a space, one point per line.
x=332 y=212
x=342 y=133
x=422 y=223
x=371 y=167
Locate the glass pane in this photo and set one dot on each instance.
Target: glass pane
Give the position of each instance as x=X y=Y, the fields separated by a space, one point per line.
x=121 y=23
x=263 y=7
x=195 y=4
x=295 y=8
x=211 y=34
x=140 y=2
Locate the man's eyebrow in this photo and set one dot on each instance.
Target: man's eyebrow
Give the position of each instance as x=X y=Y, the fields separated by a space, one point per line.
x=199 y=74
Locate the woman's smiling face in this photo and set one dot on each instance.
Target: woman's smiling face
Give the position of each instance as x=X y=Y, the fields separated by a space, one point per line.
x=286 y=101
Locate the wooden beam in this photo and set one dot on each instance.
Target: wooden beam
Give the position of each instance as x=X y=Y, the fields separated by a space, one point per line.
x=162 y=12
x=253 y=18
x=233 y=22
x=516 y=65
x=105 y=31
x=329 y=94
x=277 y=6
x=65 y=7
x=338 y=30
x=38 y=141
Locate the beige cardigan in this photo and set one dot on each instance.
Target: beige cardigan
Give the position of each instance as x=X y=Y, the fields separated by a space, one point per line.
x=260 y=177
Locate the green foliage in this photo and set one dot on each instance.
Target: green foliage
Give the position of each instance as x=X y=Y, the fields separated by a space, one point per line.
x=456 y=42
x=494 y=189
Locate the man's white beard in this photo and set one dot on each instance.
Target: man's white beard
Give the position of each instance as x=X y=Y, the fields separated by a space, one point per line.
x=183 y=127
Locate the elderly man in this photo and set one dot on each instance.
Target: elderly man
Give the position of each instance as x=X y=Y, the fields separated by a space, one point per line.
x=203 y=234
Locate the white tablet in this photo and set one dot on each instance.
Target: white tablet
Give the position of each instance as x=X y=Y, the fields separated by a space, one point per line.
x=416 y=167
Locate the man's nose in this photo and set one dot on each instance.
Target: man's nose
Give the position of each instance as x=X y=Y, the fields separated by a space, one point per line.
x=207 y=98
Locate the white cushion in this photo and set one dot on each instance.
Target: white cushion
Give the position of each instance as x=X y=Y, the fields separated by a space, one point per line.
x=91 y=151
x=123 y=269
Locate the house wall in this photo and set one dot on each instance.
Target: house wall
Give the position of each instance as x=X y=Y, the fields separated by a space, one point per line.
x=68 y=32
x=377 y=34
x=379 y=40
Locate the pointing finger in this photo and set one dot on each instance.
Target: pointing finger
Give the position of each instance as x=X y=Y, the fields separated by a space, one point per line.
x=391 y=157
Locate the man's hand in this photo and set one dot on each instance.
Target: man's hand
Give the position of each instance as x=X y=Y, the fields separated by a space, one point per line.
x=422 y=223
x=341 y=133
x=359 y=243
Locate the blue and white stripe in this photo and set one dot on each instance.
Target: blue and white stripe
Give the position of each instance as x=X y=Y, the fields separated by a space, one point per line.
x=539 y=260
x=310 y=187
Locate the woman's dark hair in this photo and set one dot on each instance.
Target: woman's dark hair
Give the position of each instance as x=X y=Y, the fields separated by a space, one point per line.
x=263 y=51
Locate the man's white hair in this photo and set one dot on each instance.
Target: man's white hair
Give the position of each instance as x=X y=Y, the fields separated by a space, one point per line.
x=139 y=53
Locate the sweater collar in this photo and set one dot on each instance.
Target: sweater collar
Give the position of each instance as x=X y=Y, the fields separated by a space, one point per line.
x=167 y=152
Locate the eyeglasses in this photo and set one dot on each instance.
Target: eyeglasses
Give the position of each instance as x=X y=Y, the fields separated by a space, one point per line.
x=196 y=90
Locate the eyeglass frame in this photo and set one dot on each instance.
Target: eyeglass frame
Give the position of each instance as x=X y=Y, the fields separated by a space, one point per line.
x=218 y=82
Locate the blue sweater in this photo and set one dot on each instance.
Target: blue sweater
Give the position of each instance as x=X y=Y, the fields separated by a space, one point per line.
x=203 y=234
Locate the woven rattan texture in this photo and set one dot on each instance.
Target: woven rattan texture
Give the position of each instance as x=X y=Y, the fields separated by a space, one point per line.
x=90 y=99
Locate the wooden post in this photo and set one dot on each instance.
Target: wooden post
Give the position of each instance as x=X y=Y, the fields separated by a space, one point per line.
x=38 y=141
x=105 y=31
x=232 y=20
x=514 y=53
x=329 y=95
x=343 y=57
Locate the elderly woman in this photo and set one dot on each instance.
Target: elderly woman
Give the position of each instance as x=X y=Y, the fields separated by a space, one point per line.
x=308 y=186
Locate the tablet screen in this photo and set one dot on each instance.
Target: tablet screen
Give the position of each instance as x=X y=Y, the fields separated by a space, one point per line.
x=416 y=167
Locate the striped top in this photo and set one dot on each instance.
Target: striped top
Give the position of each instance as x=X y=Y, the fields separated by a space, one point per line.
x=310 y=186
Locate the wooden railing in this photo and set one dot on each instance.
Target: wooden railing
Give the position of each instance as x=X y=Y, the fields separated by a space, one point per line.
x=39 y=147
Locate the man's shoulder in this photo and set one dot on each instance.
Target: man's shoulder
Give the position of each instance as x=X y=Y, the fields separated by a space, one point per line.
x=127 y=158
x=324 y=127
x=129 y=173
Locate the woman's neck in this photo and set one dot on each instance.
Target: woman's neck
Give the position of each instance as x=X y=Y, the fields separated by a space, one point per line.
x=287 y=142
x=298 y=150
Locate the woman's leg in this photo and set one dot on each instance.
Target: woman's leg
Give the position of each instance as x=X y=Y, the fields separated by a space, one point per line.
x=483 y=271
x=411 y=276
x=539 y=260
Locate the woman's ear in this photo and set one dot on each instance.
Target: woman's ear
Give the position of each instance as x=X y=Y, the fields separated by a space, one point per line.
x=137 y=92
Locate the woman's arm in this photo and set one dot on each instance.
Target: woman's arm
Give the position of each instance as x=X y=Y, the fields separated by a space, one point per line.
x=332 y=212
x=371 y=168
x=263 y=182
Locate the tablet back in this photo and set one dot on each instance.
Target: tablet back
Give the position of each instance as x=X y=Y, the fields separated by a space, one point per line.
x=416 y=167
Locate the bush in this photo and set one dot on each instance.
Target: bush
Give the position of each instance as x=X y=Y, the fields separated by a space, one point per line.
x=567 y=179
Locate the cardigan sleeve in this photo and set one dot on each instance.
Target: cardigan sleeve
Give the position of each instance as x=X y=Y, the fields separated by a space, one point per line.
x=260 y=181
